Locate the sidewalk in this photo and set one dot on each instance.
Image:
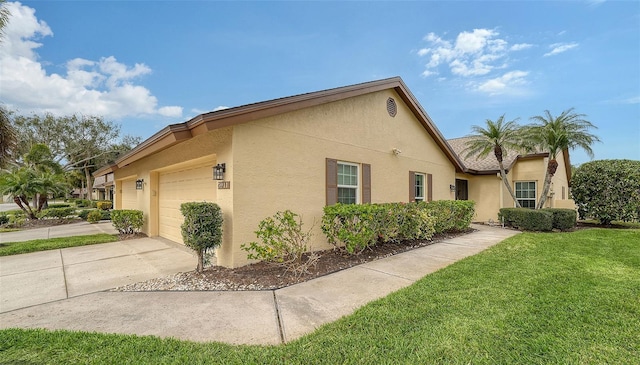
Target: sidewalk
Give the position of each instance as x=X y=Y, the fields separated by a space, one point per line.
x=249 y=317
x=63 y=230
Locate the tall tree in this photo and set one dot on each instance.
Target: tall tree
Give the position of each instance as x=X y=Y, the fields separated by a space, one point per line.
x=78 y=142
x=8 y=138
x=567 y=131
x=498 y=137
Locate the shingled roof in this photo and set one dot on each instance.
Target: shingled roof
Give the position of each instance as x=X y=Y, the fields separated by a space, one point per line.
x=489 y=164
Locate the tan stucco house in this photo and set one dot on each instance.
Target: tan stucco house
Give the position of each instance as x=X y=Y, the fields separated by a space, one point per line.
x=369 y=142
x=481 y=181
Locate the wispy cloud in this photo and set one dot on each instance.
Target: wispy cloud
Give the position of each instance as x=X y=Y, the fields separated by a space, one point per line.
x=103 y=87
x=506 y=83
x=558 y=48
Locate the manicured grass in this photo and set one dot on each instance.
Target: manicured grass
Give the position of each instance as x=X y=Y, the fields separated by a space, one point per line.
x=554 y=298
x=617 y=224
x=14 y=248
x=4 y=230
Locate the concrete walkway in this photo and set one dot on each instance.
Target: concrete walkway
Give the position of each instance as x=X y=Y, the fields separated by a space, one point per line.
x=246 y=317
x=63 y=230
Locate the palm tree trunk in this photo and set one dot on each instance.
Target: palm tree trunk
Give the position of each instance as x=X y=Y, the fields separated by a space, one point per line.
x=503 y=175
x=552 y=166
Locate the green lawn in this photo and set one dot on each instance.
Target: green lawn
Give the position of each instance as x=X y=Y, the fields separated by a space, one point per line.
x=555 y=298
x=14 y=248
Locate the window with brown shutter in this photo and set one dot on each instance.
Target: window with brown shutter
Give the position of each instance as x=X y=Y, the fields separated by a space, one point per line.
x=420 y=186
x=347 y=182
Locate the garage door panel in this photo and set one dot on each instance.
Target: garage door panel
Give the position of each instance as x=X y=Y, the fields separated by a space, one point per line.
x=177 y=187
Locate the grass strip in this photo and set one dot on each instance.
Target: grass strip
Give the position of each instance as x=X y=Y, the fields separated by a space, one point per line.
x=15 y=248
x=536 y=298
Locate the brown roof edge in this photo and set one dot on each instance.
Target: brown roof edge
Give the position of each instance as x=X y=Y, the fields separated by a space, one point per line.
x=177 y=133
x=165 y=138
x=431 y=128
x=105 y=170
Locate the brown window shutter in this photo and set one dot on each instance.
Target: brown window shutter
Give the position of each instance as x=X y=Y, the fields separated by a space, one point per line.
x=429 y=187
x=332 y=181
x=366 y=183
x=412 y=186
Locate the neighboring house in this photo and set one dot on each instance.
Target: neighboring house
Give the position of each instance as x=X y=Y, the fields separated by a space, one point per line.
x=369 y=142
x=481 y=181
x=103 y=187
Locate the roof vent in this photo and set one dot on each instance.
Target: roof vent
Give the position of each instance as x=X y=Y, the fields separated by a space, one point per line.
x=392 y=108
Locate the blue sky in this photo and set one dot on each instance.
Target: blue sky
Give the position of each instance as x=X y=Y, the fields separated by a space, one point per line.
x=147 y=64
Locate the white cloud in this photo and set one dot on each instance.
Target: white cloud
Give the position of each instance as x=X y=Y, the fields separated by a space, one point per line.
x=506 y=83
x=479 y=53
x=520 y=46
x=105 y=87
x=557 y=48
x=474 y=53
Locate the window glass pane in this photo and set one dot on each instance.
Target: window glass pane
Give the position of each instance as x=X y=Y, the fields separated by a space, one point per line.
x=347 y=195
x=419 y=187
x=347 y=175
x=526 y=193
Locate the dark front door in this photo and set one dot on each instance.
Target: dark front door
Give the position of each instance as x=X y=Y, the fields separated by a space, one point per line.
x=462 y=189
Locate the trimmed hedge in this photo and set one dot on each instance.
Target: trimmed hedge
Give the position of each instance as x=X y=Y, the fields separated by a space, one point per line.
x=59 y=213
x=104 y=204
x=527 y=219
x=563 y=219
x=94 y=216
x=358 y=226
x=58 y=205
x=202 y=228
x=539 y=220
x=4 y=219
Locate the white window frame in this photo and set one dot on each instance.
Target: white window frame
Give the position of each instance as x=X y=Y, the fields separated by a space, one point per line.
x=357 y=187
x=535 y=193
x=423 y=177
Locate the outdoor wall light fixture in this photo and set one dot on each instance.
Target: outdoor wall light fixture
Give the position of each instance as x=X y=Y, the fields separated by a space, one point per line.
x=396 y=151
x=452 y=187
x=139 y=184
x=218 y=171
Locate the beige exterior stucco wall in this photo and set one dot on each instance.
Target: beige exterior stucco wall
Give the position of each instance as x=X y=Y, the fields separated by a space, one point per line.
x=279 y=162
x=490 y=194
x=208 y=147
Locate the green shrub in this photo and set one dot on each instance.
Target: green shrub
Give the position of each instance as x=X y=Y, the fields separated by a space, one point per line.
x=105 y=215
x=450 y=215
x=82 y=203
x=527 y=219
x=563 y=219
x=351 y=226
x=104 y=205
x=94 y=216
x=84 y=213
x=282 y=242
x=59 y=213
x=358 y=226
x=58 y=205
x=4 y=219
x=202 y=228
x=127 y=221
x=607 y=190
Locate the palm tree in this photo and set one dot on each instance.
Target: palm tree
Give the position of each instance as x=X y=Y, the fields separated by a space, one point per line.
x=21 y=185
x=498 y=137
x=8 y=137
x=555 y=134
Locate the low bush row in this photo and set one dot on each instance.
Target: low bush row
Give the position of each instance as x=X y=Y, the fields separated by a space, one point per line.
x=356 y=227
x=540 y=219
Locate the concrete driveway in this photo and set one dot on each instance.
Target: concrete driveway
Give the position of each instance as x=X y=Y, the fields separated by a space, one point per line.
x=47 y=276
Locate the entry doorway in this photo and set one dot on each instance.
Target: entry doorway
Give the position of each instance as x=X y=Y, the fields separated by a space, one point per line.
x=462 y=189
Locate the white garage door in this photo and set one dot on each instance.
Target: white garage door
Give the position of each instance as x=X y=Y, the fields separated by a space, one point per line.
x=129 y=195
x=194 y=184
